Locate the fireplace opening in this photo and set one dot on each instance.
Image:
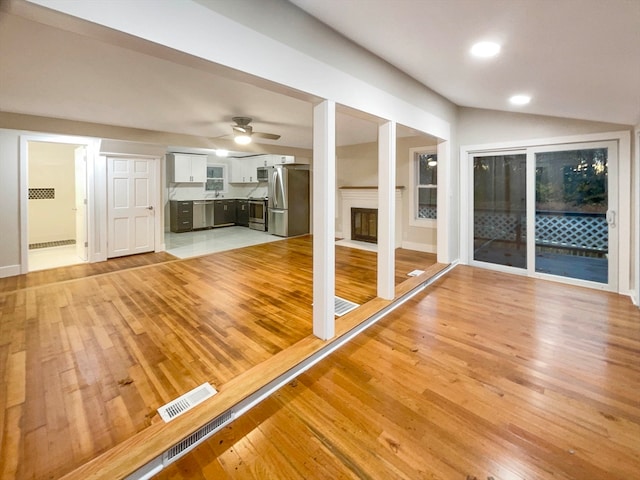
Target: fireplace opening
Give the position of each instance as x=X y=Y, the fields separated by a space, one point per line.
x=364 y=224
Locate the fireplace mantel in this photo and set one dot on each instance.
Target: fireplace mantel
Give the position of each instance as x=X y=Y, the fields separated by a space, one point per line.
x=365 y=197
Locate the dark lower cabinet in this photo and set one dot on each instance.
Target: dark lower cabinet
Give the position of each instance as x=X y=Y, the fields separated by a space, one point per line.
x=242 y=213
x=224 y=212
x=180 y=215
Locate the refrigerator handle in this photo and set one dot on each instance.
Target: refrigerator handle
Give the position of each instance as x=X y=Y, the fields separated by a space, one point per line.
x=275 y=186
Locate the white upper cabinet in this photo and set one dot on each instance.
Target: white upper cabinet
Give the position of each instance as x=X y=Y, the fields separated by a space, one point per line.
x=244 y=170
x=280 y=159
x=187 y=168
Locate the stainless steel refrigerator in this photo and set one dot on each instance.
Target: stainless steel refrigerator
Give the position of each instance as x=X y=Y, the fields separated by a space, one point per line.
x=288 y=200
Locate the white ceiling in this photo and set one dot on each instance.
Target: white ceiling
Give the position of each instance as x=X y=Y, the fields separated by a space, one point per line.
x=576 y=58
x=585 y=64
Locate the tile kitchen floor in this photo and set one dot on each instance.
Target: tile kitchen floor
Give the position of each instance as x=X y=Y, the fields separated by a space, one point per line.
x=203 y=242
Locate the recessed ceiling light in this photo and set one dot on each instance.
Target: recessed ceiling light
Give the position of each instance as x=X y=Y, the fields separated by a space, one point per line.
x=485 y=49
x=520 y=99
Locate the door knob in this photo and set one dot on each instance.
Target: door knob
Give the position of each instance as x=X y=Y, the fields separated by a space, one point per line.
x=150 y=207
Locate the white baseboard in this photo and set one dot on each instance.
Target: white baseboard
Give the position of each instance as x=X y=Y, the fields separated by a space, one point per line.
x=420 y=247
x=9 y=271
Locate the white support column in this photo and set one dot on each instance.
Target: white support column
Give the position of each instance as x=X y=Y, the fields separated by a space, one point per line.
x=386 y=209
x=324 y=208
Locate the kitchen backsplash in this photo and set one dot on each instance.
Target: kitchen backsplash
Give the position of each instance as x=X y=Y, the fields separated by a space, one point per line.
x=189 y=191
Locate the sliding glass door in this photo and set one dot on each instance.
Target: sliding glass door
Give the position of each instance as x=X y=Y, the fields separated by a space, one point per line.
x=499 y=209
x=547 y=212
x=574 y=213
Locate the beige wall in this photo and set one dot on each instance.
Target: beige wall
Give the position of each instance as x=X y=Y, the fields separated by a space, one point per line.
x=52 y=165
x=9 y=198
x=478 y=126
x=357 y=165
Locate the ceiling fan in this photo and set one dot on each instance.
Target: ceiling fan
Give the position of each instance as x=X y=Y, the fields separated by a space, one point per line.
x=242 y=131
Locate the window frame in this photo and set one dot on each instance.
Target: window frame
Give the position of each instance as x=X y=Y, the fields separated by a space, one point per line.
x=414 y=188
x=223 y=178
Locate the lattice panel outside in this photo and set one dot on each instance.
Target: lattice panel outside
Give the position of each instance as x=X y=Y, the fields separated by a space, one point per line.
x=585 y=232
x=499 y=226
x=427 y=212
x=575 y=231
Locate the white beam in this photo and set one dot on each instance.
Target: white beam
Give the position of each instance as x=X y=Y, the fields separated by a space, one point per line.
x=386 y=209
x=192 y=27
x=324 y=207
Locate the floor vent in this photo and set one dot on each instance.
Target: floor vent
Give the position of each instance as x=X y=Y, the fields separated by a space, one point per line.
x=186 y=402
x=342 y=306
x=197 y=437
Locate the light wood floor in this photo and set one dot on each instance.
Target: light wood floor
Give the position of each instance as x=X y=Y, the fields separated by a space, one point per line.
x=87 y=357
x=483 y=375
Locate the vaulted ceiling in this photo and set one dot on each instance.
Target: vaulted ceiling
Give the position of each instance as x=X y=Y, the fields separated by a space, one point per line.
x=576 y=58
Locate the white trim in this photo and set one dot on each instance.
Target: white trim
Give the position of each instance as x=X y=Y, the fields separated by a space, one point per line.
x=624 y=223
x=448 y=215
x=635 y=295
x=420 y=247
x=158 y=221
x=9 y=271
x=623 y=185
x=92 y=145
x=499 y=268
x=99 y=225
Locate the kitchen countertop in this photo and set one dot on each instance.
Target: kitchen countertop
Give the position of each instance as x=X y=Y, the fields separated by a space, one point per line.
x=208 y=198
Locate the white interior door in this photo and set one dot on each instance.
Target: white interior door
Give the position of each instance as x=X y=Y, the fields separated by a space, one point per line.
x=132 y=204
x=81 y=203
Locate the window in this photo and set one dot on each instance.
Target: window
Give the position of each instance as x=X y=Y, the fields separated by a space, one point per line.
x=215 y=178
x=426 y=178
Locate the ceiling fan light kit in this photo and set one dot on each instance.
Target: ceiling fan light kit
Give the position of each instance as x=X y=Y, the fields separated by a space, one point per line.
x=242 y=139
x=243 y=132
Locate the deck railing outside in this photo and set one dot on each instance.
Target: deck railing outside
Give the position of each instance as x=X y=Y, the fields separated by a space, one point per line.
x=575 y=233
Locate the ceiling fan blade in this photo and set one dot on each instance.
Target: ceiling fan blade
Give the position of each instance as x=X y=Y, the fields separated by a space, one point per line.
x=268 y=136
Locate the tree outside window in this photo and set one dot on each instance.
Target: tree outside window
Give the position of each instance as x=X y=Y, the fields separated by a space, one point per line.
x=427 y=185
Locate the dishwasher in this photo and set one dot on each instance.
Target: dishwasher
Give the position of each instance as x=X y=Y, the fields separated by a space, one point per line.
x=199 y=214
x=209 y=206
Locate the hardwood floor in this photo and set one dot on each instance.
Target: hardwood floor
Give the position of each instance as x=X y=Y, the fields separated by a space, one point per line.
x=87 y=361
x=483 y=375
x=54 y=275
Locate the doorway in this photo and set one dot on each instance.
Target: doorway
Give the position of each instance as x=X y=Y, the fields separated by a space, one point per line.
x=548 y=212
x=57 y=204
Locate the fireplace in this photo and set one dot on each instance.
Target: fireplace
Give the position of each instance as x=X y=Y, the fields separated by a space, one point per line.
x=365 y=198
x=364 y=224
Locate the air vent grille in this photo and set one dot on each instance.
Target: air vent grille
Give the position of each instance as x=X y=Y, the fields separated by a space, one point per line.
x=342 y=306
x=196 y=438
x=186 y=402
